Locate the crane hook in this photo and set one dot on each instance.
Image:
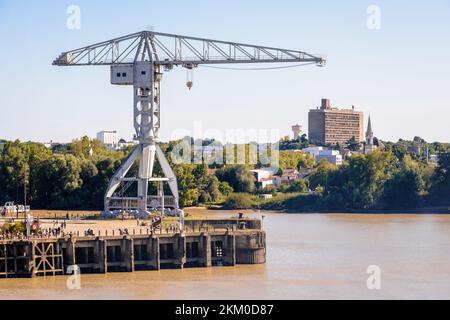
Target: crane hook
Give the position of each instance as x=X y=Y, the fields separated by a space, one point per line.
x=189 y=78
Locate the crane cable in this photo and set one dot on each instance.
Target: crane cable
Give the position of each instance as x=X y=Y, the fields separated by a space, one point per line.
x=256 y=69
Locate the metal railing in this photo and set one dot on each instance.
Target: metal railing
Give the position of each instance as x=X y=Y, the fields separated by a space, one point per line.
x=153 y=202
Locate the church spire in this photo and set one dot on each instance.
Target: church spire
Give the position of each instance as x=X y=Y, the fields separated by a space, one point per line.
x=369 y=128
x=369 y=138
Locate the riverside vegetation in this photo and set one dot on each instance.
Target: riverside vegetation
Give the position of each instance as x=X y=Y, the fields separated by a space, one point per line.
x=75 y=176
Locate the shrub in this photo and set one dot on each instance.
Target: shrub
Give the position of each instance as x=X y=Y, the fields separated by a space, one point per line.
x=18 y=227
x=238 y=201
x=293 y=202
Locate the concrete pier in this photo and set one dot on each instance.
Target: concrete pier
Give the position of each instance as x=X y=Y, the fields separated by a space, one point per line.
x=154 y=251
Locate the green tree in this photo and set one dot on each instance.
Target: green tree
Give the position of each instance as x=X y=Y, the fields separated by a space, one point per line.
x=402 y=189
x=300 y=185
x=359 y=184
x=239 y=177
x=225 y=188
x=295 y=160
x=440 y=188
x=320 y=176
x=353 y=145
x=210 y=188
x=190 y=197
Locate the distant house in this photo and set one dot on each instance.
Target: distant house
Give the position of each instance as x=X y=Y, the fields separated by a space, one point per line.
x=287 y=177
x=263 y=177
x=266 y=182
x=333 y=156
x=313 y=151
x=319 y=153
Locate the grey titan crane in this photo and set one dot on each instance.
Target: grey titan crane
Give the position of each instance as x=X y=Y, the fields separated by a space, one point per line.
x=137 y=60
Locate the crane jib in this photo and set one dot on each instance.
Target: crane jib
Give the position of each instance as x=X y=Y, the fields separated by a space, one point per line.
x=170 y=49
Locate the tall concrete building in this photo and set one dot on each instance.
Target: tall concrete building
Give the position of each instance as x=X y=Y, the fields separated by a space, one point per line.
x=328 y=125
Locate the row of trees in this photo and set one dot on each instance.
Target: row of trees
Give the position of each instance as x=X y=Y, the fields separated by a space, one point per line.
x=76 y=175
x=380 y=179
x=75 y=178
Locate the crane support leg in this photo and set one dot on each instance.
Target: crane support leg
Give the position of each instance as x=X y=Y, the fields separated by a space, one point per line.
x=146 y=164
x=121 y=173
x=168 y=173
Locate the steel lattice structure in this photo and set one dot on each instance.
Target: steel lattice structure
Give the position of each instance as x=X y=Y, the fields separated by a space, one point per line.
x=175 y=50
x=136 y=60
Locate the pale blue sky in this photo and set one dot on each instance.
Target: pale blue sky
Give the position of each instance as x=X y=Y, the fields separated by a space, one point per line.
x=399 y=74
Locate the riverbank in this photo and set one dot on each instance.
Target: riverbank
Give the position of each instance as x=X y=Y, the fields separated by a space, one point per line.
x=217 y=211
x=424 y=210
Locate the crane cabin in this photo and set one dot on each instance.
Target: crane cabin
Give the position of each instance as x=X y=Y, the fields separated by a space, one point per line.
x=139 y=74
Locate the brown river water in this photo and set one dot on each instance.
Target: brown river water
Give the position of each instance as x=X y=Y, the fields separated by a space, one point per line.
x=308 y=257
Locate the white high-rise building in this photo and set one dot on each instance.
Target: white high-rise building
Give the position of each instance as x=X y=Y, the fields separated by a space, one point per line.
x=108 y=138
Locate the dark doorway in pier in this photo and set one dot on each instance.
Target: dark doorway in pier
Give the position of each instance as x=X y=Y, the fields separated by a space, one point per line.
x=166 y=251
x=166 y=256
x=114 y=258
x=91 y=255
x=192 y=250
x=22 y=259
x=140 y=252
x=114 y=254
x=141 y=257
x=192 y=253
x=66 y=258
x=81 y=255
x=85 y=259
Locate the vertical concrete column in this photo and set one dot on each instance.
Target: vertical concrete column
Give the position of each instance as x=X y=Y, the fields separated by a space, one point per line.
x=31 y=262
x=128 y=253
x=154 y=253
x=229 y=258
x=100 y=254
x=181 y=249
x=263 y=243
x=205 y=249
x=58 y=250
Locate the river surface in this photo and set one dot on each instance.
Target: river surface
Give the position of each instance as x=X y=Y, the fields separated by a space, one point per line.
x=308 y=257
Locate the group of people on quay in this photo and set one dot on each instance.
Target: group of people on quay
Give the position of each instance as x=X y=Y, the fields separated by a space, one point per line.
x=59 y=228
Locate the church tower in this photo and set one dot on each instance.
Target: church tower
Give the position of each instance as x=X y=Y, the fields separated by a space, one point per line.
x=369 y=146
